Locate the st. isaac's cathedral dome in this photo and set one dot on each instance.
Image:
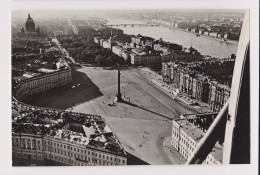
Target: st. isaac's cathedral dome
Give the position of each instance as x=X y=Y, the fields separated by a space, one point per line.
x=29 y=24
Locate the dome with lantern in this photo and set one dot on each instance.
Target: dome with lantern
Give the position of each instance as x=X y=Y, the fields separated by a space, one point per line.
x=29 y=24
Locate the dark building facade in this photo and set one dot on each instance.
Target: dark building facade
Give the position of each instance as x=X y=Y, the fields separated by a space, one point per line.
x=29 y=24
x=218 y=95
x=197 y=86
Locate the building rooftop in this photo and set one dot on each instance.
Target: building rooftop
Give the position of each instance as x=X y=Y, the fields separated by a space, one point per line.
x=192 y=131
x=201 y=77
x=38 y=67
x=77 y=128
x=222 y=86
x=217 y=152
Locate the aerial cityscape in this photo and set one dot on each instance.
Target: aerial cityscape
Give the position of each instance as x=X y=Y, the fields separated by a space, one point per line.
x=122 y=88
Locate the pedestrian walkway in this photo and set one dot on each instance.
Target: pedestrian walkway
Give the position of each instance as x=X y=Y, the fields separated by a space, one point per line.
x=173 y=91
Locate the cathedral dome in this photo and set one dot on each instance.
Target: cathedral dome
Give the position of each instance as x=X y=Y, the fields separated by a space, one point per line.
x=29 y=24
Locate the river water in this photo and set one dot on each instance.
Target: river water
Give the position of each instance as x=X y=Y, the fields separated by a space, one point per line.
x=205 y=45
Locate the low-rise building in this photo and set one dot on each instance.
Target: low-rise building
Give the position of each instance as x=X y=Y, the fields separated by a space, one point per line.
x=159 y=47
x=106 y=45
x=106 y=32
x=188 y=131
x=140 y=56
x=101 y=42
x=195 y=30
x=136 y=59
x=117 y=50
x=176 y=25
x=125 y=54
x=150 y=59
x=201 y=31
x=137 y=39
x=206 y=33
x=213 y=34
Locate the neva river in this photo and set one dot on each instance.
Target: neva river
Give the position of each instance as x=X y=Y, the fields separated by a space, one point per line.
x=205 y=45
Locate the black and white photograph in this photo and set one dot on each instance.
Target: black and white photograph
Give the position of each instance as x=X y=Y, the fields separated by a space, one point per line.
x=131 y=87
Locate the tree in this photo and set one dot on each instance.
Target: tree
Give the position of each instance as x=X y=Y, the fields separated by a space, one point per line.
x=233 y=56
x=99 y=59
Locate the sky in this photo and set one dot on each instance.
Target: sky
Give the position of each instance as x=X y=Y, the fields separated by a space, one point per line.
x=54 y=14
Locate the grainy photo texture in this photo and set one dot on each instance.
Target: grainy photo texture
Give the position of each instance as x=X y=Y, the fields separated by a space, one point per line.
x=103 y=88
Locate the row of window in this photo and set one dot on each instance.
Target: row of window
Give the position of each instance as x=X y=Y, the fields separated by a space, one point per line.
x=190 y=144
x=33 y=141
x=25 y=91
x=79 y=162
x=76 y=156
x=47 y=82
x=77 y=150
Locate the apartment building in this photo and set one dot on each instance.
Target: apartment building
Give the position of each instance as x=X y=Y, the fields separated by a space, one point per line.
x=187 y=132
x=196 y=85
x=218 y=95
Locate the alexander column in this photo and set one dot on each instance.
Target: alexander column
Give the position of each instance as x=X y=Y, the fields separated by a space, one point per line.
x=119 y=96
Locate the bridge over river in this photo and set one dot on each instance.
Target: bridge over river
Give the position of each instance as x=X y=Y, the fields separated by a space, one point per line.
x=134 y=25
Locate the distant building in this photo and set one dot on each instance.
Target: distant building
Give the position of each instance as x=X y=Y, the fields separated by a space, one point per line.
x=151 y=59
x=68 y=30
x=106 y=32
x=137 y=39
x=117 y=50
x=195 y=30
x=30 y=31
x=206 y=33
x=125 y=54
x=136 y=59
x=188 y=29
x=213 y=34
x=29 y=24
x=58 y=33
x=140 y=56
x=107 y=45
x=19 y=46
x=101 y=42
x=198 y=86
x=219 y=35
x=201 y=31
x=159 y=47
x=218 y=70
x=226 y=36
